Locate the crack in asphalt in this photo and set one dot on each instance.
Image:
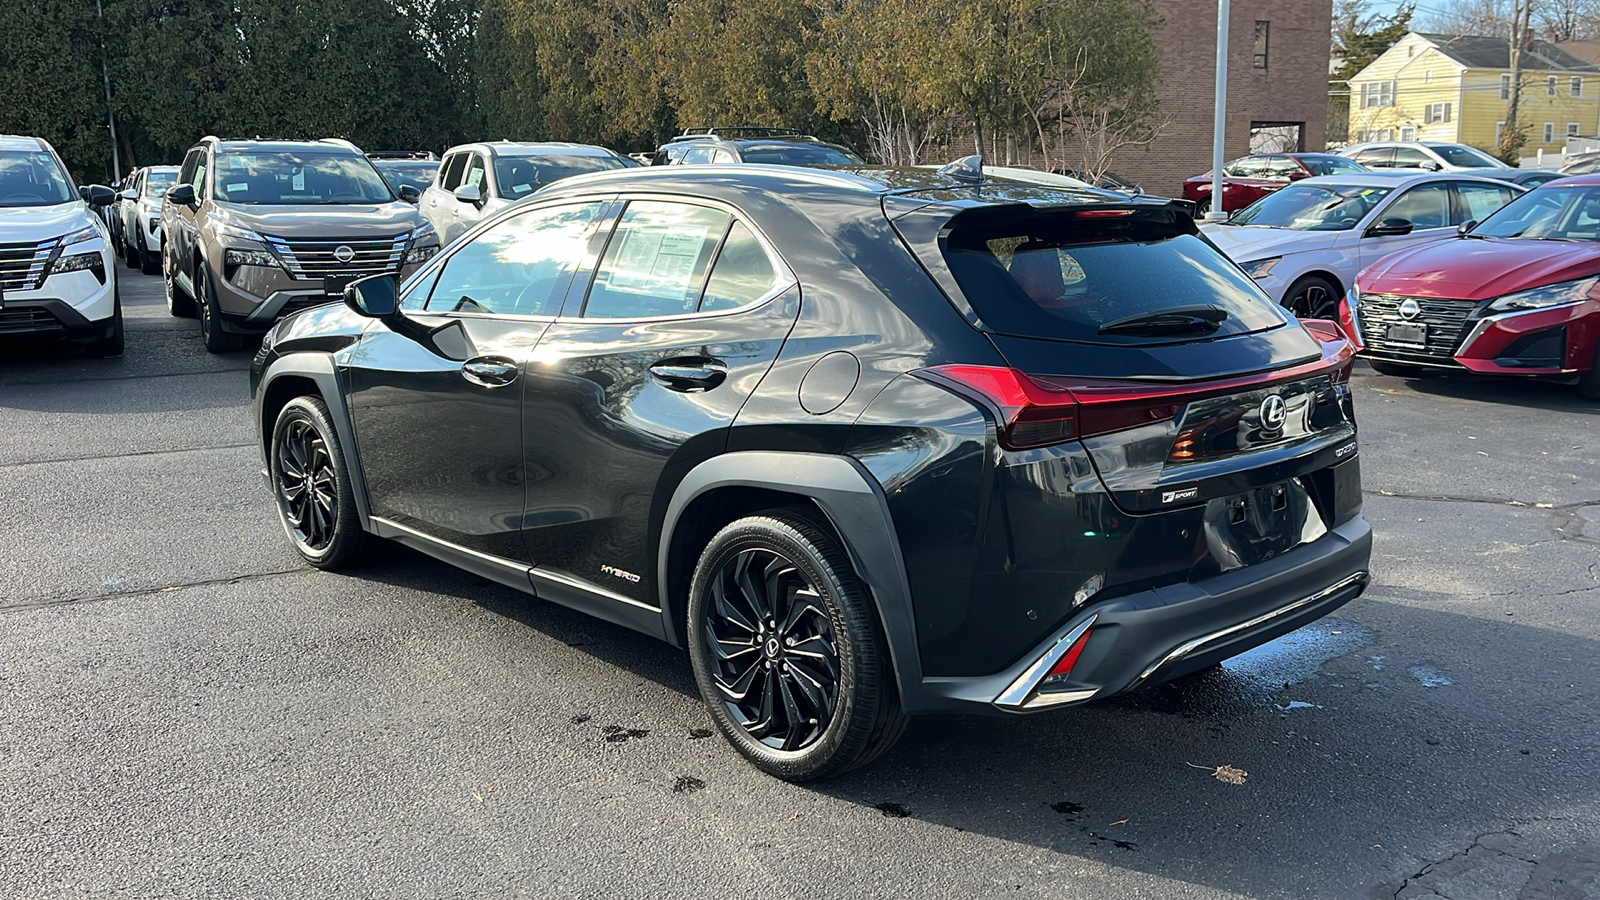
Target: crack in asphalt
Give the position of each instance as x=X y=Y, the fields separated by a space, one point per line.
x=47 y=603
x=1477 y=843
x=1495 y=501
x=64 y=459
x=87 y=378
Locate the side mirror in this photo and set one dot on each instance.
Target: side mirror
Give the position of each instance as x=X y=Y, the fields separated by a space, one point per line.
x=128 y=195
x=1296 y=176
x=1390 y=228
x=182 y=195
x=469 y=193
x=1430 y=166
x=408 y=194
x=1466 y=227
x=99 y=195
x=376 y=296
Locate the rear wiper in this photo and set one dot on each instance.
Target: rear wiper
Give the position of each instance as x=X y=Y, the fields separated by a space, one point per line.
x=1188 y=318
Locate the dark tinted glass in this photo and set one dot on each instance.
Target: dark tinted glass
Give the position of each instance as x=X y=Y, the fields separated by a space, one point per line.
x=518 y=266
x=32 y=178
x=297 y=177
x=742 y=273
x=519 y=176
x=1466 y=157
x=1549 y=213
x=800 y=155
x=400 y=172
x=1331 y=165
x=1060 y=277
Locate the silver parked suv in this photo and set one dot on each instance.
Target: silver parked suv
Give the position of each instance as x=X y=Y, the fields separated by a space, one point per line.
x=139 y=214
x=257 y=229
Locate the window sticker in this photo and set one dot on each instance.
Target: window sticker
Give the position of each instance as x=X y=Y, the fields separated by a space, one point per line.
x=298 y=182
x=656 y=256
x=238 y=186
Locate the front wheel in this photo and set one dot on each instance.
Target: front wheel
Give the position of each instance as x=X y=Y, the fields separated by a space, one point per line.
x=112 y=343
x=211 y=332
x=787 y=651
x=1313 y=297
x=179 y=305
x=312 y=487
x=1589 y=382
x=1202 y=207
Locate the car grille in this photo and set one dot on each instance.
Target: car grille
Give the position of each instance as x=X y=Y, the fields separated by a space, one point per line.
x=22 y=265
x=1446 y=321
x=29 y=321
x=319 y=257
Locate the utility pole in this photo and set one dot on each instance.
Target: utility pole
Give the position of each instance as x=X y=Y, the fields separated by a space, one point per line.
x=1521 y=13
x=111 y=117
x=1219 y=124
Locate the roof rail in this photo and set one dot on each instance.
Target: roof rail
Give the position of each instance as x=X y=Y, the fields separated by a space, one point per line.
x=756 y=131
x=427 y=155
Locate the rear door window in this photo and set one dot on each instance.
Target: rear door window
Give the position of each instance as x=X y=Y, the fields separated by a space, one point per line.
x=1424 y=206
x=1376 y=157
x=656 y=261
x=1134 y=278
x=1410 y=158
x=454 y=166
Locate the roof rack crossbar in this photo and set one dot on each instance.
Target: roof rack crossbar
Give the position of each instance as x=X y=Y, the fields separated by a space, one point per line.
x=743 y=130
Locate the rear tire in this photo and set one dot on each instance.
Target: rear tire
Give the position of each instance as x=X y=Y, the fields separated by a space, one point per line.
x=312 y=488
x=130 y=254
x=1202 y=207
x=1313 y=297
x=179 y=305
x=149 y=263
x=1396 y=370
x=787 y=651
x=211 y=333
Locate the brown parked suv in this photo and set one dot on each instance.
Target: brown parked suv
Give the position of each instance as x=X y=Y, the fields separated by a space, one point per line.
x=258 y=229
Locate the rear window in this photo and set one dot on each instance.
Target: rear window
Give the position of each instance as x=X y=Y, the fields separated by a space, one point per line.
x=1140 y=279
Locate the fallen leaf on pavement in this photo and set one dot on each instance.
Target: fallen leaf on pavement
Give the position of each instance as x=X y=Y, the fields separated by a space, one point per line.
x=1226 y=774
x=1118 y=822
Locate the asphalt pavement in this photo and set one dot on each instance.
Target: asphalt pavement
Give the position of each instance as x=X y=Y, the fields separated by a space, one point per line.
x=187 y=711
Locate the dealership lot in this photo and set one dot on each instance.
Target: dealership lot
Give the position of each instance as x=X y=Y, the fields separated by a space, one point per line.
x=186 y=710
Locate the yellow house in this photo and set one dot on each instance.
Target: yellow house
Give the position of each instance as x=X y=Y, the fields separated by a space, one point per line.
x=1445 y=87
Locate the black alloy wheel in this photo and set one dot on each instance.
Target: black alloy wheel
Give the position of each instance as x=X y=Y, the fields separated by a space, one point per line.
x=211 y=332
x=1313 y=297
x=178 y=305
x=1202 y=207
x=787 y=651
x=312 y=486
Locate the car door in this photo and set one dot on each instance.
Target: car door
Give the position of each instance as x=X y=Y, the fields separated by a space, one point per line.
x=639 y=380
x=1414 y=158
x=1376 y=157
x=181 y=222
x=1426 y=206
x=438 y=202
x=436 y=395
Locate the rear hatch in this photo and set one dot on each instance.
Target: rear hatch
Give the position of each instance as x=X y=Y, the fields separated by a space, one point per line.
x=1123 y=330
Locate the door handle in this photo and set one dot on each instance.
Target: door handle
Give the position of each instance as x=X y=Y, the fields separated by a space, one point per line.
x=489 y=371
x=690 y=375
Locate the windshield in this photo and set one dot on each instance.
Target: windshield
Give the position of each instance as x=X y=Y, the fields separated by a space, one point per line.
x=298 y=177
x=156 y=183
x=1549 y=213
x=417 y=174
x=1312 y=207
x=1457 y=155
x=801 y=155
x=1331 y=165
x=519 y=176
x=1055 y=275
x=32 y=178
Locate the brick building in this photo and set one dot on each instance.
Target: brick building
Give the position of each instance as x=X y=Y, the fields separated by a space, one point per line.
x=1277 y=84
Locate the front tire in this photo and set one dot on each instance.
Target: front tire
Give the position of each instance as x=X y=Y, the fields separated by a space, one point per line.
x=111 y=344
x=1313 y=297
x=311 y=484
x=1589 y=382
x=215 y=339
x=787 y=651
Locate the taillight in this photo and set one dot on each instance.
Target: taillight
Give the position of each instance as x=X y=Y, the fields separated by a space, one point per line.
x=1063 y=666
x=1330 y=332
x=1036 y=410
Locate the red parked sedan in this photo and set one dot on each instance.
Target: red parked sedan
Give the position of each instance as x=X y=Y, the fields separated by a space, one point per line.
x=1517 y=294
x=1252 y=177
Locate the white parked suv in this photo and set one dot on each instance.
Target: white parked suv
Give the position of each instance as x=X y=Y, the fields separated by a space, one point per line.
x=140 y=210
x=58 y=274
x=1429 y=156
x=475 y=180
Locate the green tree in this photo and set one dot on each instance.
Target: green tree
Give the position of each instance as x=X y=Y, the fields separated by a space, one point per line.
x=1359 y=37
x=51 y=81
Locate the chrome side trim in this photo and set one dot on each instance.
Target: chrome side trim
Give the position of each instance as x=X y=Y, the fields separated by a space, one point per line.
x=1185 y=649
x=1016 y=695
x=573 y=582
x=505 y=570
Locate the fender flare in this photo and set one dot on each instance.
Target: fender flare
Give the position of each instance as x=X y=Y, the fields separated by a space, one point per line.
x=854 y=504
x=320 y=369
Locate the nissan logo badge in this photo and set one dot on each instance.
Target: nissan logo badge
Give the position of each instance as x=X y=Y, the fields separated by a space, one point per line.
x=1410 y=309
x=343 y=253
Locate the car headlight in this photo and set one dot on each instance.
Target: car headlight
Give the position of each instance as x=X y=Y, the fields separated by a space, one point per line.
x=249 y=258
x=1547 y=296
x=233 y=234
x=1260 y=268
x=78 y=262
x=425 y=230
x=420 y=255
x=86 y=233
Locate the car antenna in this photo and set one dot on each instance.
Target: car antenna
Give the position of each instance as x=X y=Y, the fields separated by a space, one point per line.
x=967 y=168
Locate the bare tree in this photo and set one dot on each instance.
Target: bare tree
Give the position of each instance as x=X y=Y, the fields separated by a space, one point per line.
x=1480 y=17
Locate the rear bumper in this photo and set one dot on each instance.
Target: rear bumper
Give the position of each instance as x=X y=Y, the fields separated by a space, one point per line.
x=1159 y=634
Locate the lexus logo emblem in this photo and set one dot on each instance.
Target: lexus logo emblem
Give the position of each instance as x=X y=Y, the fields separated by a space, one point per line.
x=1410 y=309
x=1274 y=412
x=344 y=254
